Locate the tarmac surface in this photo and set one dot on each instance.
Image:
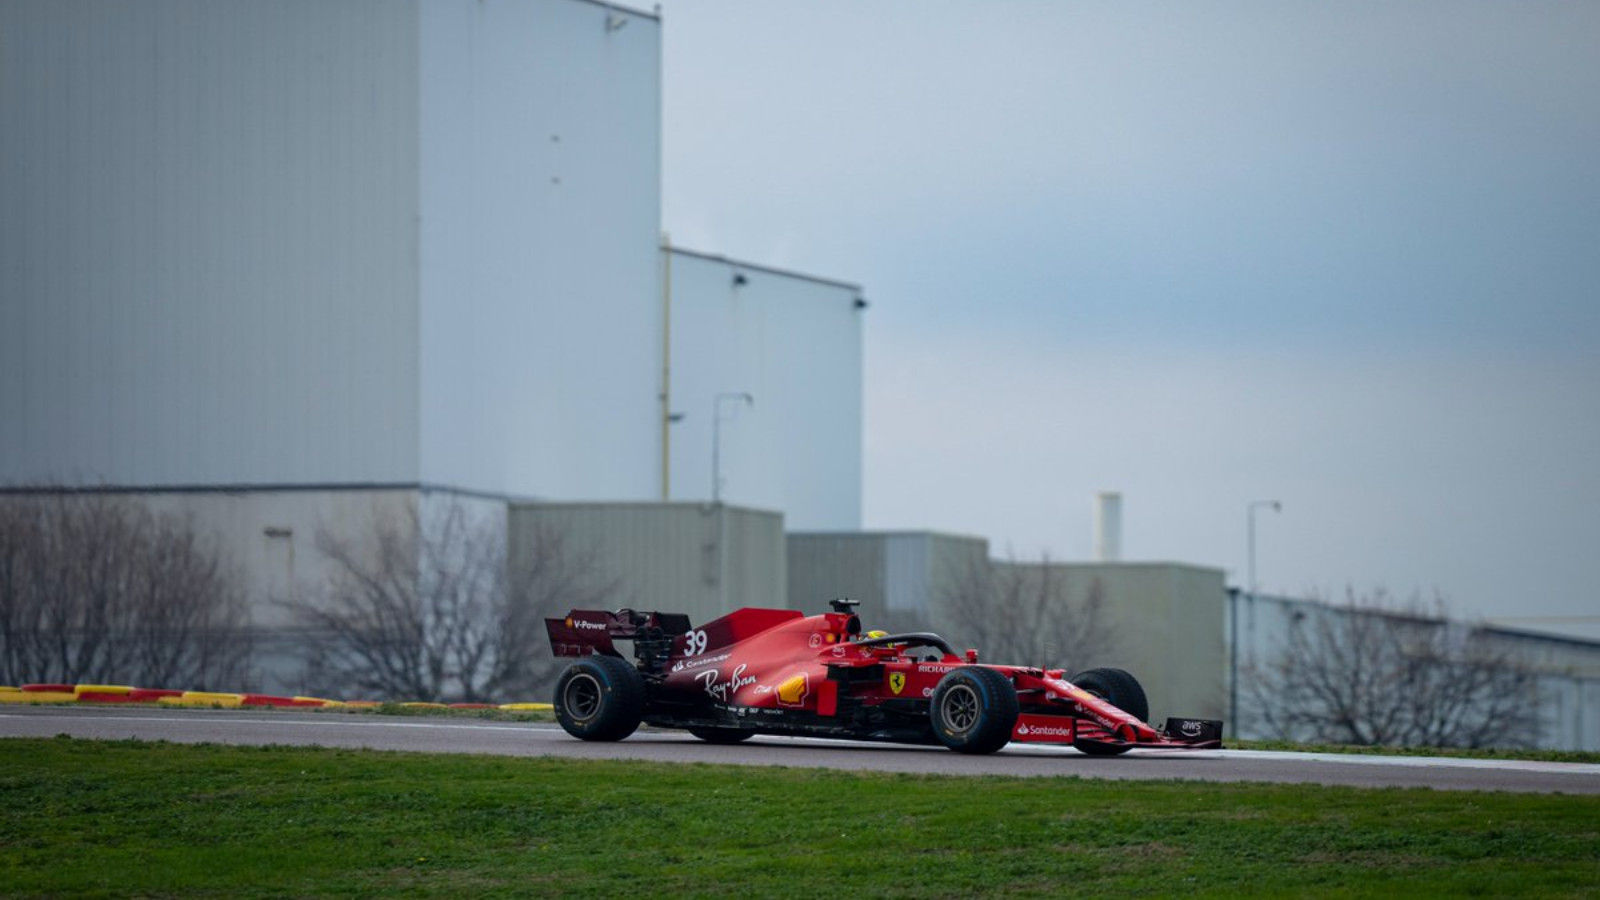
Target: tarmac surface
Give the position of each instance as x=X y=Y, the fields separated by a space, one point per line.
x=482 y=736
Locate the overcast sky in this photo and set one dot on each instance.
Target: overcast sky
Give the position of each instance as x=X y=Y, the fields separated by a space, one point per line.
x=1344 y=256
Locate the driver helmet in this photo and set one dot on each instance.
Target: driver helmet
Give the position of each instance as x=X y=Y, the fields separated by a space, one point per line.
x=891 y=648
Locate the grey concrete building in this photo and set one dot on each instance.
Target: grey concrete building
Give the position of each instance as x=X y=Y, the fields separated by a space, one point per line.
x=900 y=577
x=1164 y=623
x=700 y=559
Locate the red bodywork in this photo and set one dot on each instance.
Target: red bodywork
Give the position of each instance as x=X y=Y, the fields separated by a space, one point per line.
x=777 y=671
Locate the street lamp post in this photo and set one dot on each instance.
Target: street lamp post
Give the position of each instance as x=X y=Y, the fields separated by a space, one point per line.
x=1233 y=608
x=1233 y=661
x=716 y=437
x=1250 y=517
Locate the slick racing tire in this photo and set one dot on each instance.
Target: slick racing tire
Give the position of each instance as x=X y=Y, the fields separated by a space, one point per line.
x=722 y=735
x=1118 y=687
x=600 y=698
x=973 y=710
x=1121 y=690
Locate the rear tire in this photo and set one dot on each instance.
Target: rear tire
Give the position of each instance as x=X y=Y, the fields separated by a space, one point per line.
x=1121 y=690
x=973 y=710
x=722 y=735
x=600 y=698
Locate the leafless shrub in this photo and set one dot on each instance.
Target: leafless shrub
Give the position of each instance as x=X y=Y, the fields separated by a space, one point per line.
x=97 y=588
x=1023 y=614
x=1376 y=672
x=434 y=611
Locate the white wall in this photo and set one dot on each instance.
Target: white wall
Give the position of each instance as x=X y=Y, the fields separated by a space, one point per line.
x=794 y=343
x=331 y=241
x=540 y=284
x=271 y=535
x=207 y=241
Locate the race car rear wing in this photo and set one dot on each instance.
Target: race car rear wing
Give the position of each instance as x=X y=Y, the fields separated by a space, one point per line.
x=584 y=632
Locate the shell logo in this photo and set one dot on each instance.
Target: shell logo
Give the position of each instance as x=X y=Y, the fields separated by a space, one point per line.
x=793 y=691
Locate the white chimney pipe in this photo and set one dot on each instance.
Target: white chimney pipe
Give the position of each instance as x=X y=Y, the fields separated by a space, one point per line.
x=1108 y=526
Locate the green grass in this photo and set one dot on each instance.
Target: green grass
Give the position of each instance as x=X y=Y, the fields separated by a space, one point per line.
x=130 y=818
x=1575 y=756
x=398 y=709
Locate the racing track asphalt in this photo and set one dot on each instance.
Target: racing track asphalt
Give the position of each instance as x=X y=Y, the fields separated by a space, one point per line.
x=540 y=739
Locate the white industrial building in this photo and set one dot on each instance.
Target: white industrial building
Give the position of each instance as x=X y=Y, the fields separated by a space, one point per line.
x=347 y=243
x=766 y=368
x=286 y=265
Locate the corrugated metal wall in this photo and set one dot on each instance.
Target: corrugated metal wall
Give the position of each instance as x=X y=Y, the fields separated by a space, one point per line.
x=1163 y=624
x=823 y=567
x=208 y=244
x=901 y=578
x=692 y=558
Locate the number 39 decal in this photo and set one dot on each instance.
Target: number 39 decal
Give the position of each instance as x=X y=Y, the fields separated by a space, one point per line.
x=695 y=643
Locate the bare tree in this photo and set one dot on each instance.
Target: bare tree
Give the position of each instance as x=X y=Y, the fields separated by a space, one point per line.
x=97 y=588
x=434 y=611
x=1022 y=613
x=1376 y=672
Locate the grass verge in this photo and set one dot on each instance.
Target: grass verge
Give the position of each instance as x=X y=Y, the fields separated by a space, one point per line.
x=1574 y=756
x=400 y=709
x=84 y=817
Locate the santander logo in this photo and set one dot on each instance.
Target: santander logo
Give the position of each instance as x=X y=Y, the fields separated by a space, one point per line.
x=1024 y=729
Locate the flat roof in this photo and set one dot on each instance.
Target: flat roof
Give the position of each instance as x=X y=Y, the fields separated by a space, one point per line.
x=617 y=7
x=771 y=270
x=597 y=505
x=887 y=533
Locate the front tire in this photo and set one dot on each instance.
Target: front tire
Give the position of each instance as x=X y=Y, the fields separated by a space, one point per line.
x=973 y=710
x=600 y=698
x=1121 y=690
x=1116 y=687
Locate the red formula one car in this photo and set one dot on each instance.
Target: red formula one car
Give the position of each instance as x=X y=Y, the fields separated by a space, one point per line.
x=777 y=671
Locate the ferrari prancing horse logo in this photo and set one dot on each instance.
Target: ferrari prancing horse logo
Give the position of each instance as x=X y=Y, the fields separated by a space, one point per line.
x=897 y=682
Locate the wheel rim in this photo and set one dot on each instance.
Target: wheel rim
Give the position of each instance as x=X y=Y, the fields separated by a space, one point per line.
x=958 y=711
x=582 y=697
